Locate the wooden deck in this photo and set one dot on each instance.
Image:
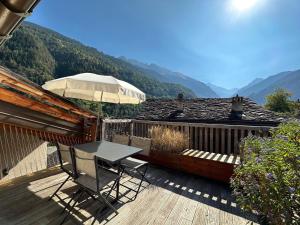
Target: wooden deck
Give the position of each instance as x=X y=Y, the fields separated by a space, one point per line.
x=173 y=198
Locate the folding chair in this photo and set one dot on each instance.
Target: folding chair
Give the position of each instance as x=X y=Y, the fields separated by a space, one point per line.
x=92 y=179
x=135 y=167
x=65 y=155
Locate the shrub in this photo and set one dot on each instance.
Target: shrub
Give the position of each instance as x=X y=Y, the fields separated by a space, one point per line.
x=268 y=180
x=168 y=140
x=279 y=101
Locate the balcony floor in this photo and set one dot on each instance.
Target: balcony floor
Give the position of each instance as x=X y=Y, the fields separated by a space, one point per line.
x=173 y=198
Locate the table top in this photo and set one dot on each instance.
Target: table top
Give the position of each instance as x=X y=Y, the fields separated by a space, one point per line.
x=108 y=151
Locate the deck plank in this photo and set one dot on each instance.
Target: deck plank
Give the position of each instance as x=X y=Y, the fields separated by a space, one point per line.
x=172 y=198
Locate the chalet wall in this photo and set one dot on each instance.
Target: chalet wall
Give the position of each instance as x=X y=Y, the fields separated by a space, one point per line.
x=20 y=153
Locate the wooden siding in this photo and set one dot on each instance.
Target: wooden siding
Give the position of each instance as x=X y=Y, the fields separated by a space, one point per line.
x=21 y=153
x=24 y=150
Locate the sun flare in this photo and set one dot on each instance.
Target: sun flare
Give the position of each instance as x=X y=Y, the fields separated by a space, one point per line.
x=243 y=5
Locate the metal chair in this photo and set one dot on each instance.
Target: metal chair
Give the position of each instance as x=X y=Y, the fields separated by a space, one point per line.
x=135 y=167
x=65 y=155
x=92 y=179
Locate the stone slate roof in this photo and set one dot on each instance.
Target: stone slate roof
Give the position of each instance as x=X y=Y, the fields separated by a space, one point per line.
x=206 y=110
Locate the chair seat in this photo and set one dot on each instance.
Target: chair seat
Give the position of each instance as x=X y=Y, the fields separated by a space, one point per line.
x=105 y=178
x=68 y=167
x=133 y=163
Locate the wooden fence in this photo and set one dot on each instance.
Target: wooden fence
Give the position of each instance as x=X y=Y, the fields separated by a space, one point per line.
x=215 y=138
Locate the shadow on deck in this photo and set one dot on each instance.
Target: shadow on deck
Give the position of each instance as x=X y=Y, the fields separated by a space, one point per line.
x=173 y=198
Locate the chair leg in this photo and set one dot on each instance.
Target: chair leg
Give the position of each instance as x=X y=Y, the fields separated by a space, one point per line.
x=91 y=195
x=144 y=174
x=145 y=178
x=142 y=179
x=103 y=199
x=112 y=188
x=72 y=207
x=60 y=186
x=69 y=202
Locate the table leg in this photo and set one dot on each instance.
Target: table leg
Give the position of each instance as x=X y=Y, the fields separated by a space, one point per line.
x=118 y=182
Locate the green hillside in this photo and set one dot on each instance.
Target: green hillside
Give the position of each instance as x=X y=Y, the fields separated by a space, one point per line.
x=41 y=54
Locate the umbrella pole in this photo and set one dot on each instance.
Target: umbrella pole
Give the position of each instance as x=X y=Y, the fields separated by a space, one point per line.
x=98 y=120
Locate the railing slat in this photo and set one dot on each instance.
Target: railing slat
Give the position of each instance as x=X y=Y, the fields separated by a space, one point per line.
x=222 y=140
x=228 y=141
x=236 y=142
x=206 y=139
x=211 y=139
x=197 y=138
x=201 y=138
x=217 y=140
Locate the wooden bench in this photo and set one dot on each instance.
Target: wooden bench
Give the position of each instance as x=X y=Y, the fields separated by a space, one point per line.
x=210 y=165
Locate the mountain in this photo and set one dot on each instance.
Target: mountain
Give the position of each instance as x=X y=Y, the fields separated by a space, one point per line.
x=259 y=89
x=166 y=75
x=41 y=54
x=247 y=90
x=222 y=92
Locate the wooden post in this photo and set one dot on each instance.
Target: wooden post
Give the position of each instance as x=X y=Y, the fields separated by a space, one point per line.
x=103 y=129
x=131 y=128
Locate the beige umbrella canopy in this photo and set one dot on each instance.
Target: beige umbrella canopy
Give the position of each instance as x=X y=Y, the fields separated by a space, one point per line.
x=98 y=88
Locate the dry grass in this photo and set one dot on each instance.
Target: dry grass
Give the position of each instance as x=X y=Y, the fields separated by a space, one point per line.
x=168 y=140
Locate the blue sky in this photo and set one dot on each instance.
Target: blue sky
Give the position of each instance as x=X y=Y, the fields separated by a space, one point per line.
x=210 y=40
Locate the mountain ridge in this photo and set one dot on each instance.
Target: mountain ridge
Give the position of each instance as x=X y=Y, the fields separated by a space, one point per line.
x=289 y=80
x=221 y=91
x=166 y=75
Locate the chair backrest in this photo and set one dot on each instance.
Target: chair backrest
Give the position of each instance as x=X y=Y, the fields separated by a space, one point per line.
x=140 y=142
x=64 y=153
x=85 y=163
x=66 y=160
x=120 y=139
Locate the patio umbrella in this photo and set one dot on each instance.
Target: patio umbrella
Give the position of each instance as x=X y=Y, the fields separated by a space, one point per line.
x=97 y=88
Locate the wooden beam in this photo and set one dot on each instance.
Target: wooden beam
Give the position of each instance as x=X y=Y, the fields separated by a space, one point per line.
x=19 y=115
x=19 y=83
x=20 y=100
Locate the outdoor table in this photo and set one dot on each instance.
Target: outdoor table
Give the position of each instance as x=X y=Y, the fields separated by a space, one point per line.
x=109 y=152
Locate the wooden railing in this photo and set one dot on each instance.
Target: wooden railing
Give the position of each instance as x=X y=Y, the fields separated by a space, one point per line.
x=110 y=127
x=216 y=138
